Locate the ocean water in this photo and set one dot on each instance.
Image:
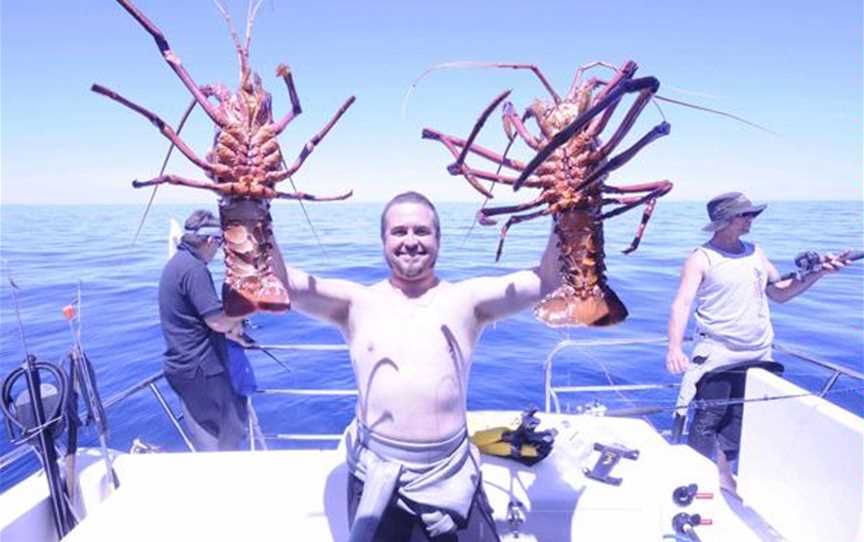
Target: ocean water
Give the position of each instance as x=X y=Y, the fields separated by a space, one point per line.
x=49 y=250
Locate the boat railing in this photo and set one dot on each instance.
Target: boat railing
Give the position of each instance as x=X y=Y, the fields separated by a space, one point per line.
x=836 y=370
x=23 y=450
x=552 y=392
x=314 y=392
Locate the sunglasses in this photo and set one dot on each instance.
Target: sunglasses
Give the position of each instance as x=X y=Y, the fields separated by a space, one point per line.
x=218 y=239
x=748 y=214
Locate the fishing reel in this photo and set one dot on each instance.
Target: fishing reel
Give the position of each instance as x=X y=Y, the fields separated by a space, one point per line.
x=809 y=261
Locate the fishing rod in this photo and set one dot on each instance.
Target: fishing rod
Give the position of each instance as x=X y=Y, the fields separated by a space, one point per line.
x=85 y=378
x=810 y=262
x=252 y=344
x=64 y=518
x=707 y=403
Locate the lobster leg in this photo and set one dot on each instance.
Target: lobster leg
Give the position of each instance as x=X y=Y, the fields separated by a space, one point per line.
x=226 y=189
x=480 y=174
x=619 y=160
x=241 y=190
x=577 y=78
x=310 y=197
x=624 y=87
x=453 y=143
x=516 y=219
x=466 y=172
x=656 y=190
x=511 y=120
x=310 y=145
x=492 y=211
x=625 y=72
x=459 y=165
x=174 y=62
x=536 y=72
x=165 y=129
x=629 y=119
x=284 y=72
x=473 y=174
x=476 y=130
x=175 y=179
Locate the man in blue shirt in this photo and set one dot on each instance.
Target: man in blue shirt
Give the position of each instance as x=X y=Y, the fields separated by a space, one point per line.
x=194 y=326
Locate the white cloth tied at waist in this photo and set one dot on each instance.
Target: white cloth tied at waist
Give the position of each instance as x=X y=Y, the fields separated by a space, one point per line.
x=716 y=354
x=435 y=481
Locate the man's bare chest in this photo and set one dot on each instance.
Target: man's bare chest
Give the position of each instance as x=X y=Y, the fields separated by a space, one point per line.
x=431 y=328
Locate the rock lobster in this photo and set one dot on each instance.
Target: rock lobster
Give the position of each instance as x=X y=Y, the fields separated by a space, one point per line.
x=244 y=166
x=570 y=168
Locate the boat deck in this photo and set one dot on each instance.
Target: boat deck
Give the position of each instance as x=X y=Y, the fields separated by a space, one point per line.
x=266 y=495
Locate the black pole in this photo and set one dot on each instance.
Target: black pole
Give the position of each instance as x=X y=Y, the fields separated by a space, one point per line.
x=60 y=510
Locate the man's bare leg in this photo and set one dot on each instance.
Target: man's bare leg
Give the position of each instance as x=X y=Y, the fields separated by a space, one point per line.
x=727 y=479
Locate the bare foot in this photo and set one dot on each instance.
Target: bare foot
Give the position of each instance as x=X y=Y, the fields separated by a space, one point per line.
x=726 y=478
x=728 y=484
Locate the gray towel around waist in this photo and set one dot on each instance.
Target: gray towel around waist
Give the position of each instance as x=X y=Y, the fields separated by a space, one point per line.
x=435 y=481
x=714 y=354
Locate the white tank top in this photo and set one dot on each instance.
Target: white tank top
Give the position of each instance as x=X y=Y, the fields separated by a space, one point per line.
x=731 y=304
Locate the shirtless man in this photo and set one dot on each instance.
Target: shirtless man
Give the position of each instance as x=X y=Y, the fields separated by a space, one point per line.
x=411 y=338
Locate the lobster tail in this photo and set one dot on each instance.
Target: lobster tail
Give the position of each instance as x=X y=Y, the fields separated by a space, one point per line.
x=250 y=283
x=584 y=298
x=565 y=307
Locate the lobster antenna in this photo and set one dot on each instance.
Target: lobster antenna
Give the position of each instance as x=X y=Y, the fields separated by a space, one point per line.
x=250 y=20
x=162 y=170
x=716 y=112
x=491 y=188
x=241 y=52
x=461 y=64
x=305 y=213
x=234 y=37
x=680 y=90
x=659 y=110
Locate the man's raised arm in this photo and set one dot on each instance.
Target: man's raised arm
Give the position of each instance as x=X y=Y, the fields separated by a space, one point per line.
x=497 y=297
x=325 y=299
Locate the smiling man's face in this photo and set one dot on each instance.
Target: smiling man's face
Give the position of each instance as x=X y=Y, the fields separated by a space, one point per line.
x=410 y=241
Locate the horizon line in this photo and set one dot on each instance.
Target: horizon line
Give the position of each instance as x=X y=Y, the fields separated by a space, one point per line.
x=382 y=201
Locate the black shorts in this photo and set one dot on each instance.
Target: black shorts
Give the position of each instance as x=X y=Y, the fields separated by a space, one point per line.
x=215 y=406
x=397 y=525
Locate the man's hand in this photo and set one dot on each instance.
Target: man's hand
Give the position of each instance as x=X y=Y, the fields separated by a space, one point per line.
x=676 y=360
x=237 y=333
x=833 y=263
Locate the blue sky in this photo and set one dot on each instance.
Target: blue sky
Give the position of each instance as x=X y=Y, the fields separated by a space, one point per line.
x=791 y=66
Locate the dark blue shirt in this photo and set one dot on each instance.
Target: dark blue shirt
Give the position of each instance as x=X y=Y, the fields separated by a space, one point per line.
x=186 y=297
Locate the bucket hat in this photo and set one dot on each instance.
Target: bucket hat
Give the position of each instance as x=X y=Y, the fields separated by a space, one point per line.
x=201 y=219
x=723 y=208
